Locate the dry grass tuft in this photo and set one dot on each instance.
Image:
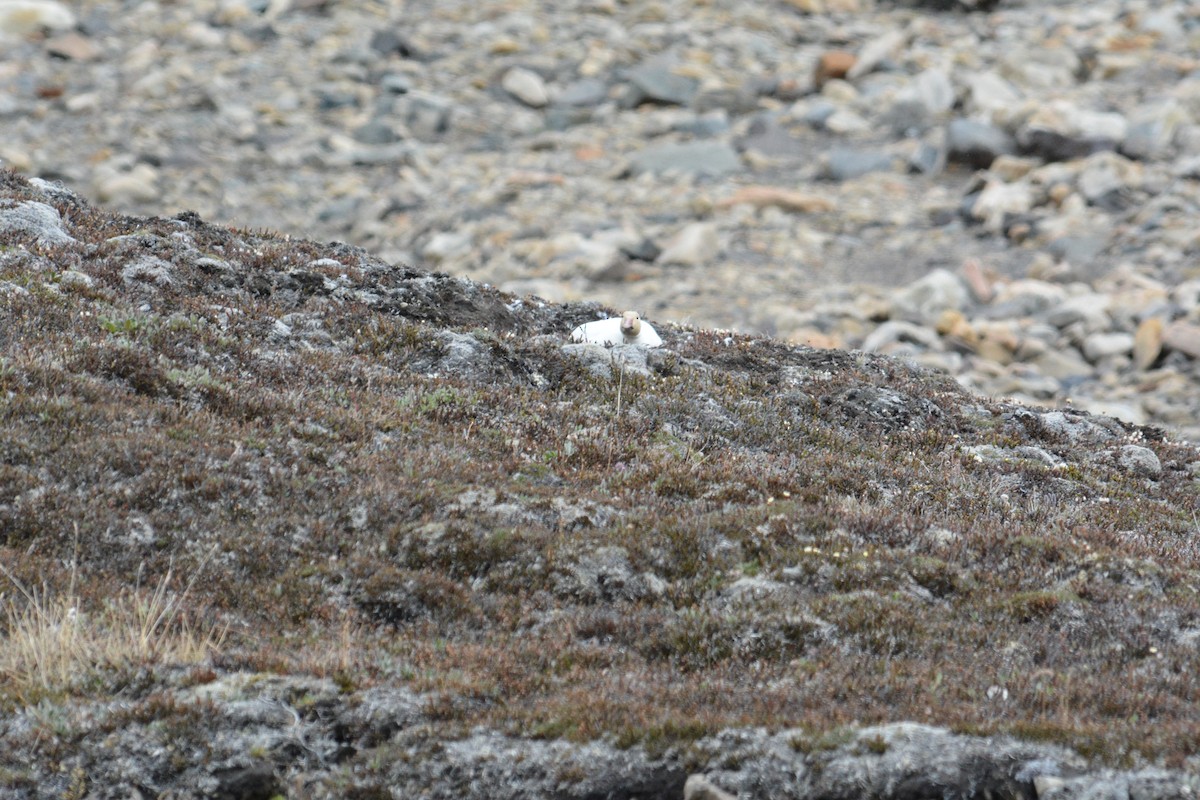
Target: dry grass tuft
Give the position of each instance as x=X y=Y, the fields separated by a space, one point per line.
x=51 y=645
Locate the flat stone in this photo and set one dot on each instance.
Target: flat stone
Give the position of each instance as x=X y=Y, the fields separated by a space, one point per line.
x=874 y=52
x=1061 y=131
x=1089 y=309
x=655 y=81
x=73 y=46
x=1099 y=346
x=583 y=92
x=1183 y=337
x=711 y=158
x=1063 y=364
x=926 y=299
x=694 y=245
x=136 y=185
x=989 y=93
x=609 y=362
x=1147 y=342
x=896 y=331
x=787 y=199
x=1140 y=460
x=447 y=244
x=766 y=136
x=40 y=222
x=844 y=165
x=977 y=144
x=699 y=787
x=525 y=85
x=832 y=64
x=999 y=200
x=932 y=87
x=22 y=17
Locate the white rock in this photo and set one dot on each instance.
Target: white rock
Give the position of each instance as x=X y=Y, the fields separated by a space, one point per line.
x=999 y=199
x=699 y=787
x=935 y=91
x=138 y=184
x=1102 y=345
x=626 y=329
x=875 y=51
x=19 y=17
x=991 y=95
x=1141 y=460
x=696 y=244
x=447 y=244
x=900 y=331
x=525 y=85
x=1090 y=309
x=926 y=298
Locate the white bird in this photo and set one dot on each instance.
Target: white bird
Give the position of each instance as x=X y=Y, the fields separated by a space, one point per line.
x=629 y=328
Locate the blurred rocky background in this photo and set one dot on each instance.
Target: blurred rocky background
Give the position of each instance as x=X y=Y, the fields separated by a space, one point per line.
x=1005 y=191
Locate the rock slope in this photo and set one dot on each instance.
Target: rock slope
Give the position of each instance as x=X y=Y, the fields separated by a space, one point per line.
x=1006 y=195
x=440 y=551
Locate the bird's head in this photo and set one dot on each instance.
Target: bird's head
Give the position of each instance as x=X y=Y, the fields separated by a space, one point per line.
x=631 y=324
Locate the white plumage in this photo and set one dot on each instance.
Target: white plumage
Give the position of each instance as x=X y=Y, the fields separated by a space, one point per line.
x=626 y=329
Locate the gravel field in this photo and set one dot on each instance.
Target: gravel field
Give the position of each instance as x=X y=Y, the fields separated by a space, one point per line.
x=1005 y=194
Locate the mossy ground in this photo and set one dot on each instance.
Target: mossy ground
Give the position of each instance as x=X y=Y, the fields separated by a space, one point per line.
x=363 y=509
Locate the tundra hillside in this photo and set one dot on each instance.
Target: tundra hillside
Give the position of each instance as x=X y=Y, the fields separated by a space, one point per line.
x=278 y=517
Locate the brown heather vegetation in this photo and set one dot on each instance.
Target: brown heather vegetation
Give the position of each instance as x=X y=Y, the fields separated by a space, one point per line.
x=785 y=537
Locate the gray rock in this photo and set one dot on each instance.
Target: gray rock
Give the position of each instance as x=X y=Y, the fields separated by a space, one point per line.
x=935 y=91
x=927 y=159
x=487 y=764
x=1079 y=428
x=447 y=244
x=997 y=201
x=654 y=82
x=766 y=136
x=40 y=222
x=602 y=576
x=844 y=165
x=894 y=331
x=427 y=116
x=525 y=85
x=1099 y=346
x=1188 y=167
x=1079 y=250
x=583 y=92
x=713 y=123
x=1063 y=364
x=993 y=454
x=395 y=83
x=148 y=271
x=990 y=95
x=1184 y=337
x=1090 y=310
x=699 y=787
x=919 y=761
x=1147 y=140
x=906 y=117
x=377 y=131
x=876 y=51
x=696 y=244
x=389 y=42
x=816 y=113
x=1140 y=461
x=924 y=300
x=610 y=362
x=977 y=144
x=18 y=19
x=712 y=158
x=1062 y=131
